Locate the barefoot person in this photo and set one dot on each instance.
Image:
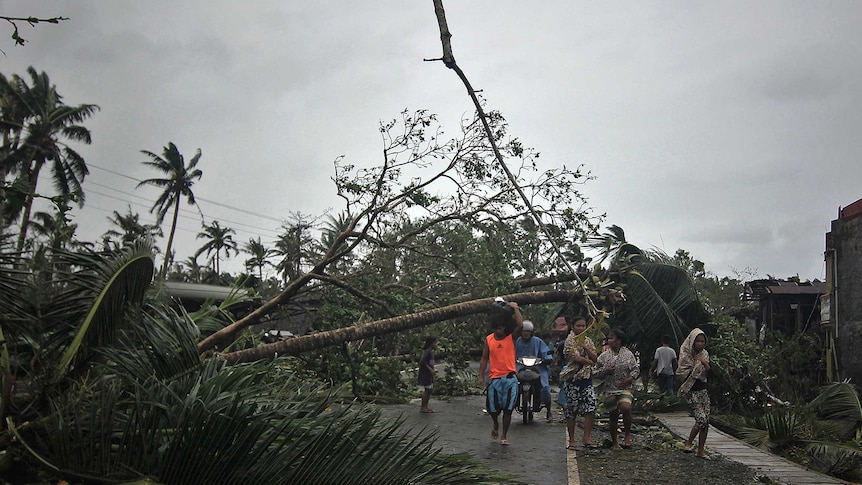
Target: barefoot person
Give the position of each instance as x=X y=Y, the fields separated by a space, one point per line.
x=498 y=349
x=693 y=368
x=426 y=372
x=619 y=369
x=580 y=356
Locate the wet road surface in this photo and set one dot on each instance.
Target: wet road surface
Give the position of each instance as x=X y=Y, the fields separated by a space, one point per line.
x=536 y=455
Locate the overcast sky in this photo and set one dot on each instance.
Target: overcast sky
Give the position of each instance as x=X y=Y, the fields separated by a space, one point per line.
x=728 y=129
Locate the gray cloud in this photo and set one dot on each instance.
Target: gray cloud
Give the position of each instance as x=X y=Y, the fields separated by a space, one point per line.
x=727 y=128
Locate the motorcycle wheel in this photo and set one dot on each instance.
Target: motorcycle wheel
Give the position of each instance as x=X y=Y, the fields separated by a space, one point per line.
x=526 y=406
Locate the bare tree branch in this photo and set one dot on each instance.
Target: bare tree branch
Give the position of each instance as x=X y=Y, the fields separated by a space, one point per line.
x=449 y=61
x=30 y=20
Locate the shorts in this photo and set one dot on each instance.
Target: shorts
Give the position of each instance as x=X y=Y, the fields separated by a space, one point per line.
x=502 y=394
x=426 y=388
x=579 y=400
x=613 y=400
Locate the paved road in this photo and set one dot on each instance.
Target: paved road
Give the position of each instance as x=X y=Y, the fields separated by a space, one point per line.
x=537 y=454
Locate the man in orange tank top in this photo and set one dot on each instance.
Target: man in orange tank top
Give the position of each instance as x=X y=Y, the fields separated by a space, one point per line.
x=498 y=349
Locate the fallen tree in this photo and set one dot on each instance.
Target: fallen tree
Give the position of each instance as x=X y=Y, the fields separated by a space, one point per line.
x=378 y=328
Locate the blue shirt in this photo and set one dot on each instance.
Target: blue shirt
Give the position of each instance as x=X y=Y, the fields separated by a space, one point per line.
x=535 y=347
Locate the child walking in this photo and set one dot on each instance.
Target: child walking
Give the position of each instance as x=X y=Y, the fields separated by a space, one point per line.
x=426 y=373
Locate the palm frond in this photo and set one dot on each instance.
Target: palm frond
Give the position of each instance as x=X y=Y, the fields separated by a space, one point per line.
x=840 y=401
x=120 y=282
x=675 y=287
x=211 y=317
x=164 y=345
x=649 y=314
x=836 y=459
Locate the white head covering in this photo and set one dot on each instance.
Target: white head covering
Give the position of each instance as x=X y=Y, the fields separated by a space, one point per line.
x=690 y=369
x=528 y=326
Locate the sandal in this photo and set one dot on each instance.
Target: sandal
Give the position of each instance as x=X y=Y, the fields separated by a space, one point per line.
x=704 y=457
x=504 y=442
x=494 y=434
x=591 y=446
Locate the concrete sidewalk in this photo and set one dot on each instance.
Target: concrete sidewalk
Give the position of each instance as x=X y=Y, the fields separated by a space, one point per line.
x=775 y=467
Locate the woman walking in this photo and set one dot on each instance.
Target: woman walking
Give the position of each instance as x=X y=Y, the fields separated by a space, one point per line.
x=580 y=355
x=693 y=369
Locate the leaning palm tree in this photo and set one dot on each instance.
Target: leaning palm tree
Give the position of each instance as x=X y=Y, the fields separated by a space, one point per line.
x=37 y=131
x=661 y=297
x=219 y=239
x=178 y=184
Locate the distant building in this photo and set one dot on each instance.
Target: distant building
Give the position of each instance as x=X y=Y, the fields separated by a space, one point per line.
x=842 y=316
x=787 y=305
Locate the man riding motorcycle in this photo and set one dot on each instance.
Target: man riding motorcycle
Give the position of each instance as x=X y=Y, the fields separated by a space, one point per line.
x=527 y=345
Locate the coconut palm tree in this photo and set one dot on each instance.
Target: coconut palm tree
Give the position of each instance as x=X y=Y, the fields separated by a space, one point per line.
x=36 y=133
x=177 y=185
x=295 y=247
x=130 y=229
x=259 y=254
x=192 y=270
x=661 y=297
x=219 y=239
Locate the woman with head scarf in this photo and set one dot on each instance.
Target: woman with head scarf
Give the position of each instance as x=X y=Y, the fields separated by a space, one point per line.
x=693 y=369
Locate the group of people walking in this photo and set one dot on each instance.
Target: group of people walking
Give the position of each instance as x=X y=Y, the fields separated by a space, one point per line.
x=616 y=369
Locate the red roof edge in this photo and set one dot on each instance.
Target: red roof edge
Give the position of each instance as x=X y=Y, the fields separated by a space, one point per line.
x=851 y=211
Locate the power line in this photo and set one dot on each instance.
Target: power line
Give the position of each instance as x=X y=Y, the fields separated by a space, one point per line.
x=182 y=211
x=244 y=211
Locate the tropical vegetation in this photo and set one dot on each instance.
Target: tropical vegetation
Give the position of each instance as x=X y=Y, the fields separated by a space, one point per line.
x=177 y=184
x=106 y=378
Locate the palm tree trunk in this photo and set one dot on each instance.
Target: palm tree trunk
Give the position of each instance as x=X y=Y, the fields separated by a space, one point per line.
x=167 y=262
x=28 y=206
x=391 y=325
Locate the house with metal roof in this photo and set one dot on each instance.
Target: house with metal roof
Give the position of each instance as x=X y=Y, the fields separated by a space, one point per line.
x=788 y=305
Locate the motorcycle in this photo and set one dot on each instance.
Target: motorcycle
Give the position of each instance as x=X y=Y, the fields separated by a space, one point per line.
x=529 y=387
